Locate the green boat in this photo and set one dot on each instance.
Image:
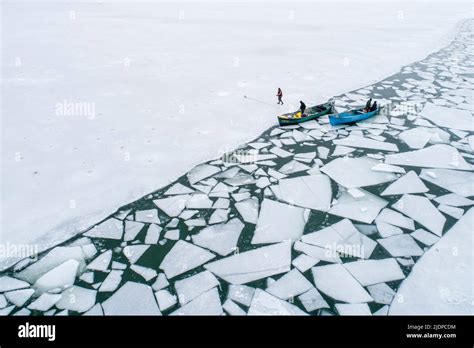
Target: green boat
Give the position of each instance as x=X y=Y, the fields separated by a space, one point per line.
x=310 y=114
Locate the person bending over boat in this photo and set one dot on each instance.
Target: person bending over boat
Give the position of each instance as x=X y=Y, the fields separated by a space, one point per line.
x=374 y=106
x=280 y=95
x=368 y=105
x=302 y=107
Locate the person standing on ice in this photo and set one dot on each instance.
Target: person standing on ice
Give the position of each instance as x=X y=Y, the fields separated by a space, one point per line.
x=280 y=95
x=302 y=107
x=374 y=106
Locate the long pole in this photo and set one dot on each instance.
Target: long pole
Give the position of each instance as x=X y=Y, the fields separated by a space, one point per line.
x=260 y=101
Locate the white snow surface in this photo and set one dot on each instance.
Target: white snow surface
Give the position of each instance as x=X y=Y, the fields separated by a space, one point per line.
x=163 y=84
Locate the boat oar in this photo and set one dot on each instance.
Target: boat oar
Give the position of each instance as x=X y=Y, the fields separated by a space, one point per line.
x=260 y=101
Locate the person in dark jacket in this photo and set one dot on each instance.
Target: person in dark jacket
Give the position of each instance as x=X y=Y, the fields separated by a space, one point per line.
x=374 y=106
x=280 y=95
x=368 y=105
x=302 y=107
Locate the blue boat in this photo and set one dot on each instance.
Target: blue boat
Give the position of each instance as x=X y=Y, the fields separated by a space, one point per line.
x=352 y=116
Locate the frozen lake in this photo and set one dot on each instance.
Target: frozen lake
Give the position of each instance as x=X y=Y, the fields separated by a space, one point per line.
x=105 y=102
x=372 y=218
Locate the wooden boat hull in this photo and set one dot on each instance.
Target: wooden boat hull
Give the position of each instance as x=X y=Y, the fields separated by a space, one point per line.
x=311 y=114
x=351 y=116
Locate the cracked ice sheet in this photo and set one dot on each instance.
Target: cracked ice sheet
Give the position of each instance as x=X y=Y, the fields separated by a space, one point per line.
x=448 y=117
x=363 y=209
x=435 y=156
x=278 y=222
x=201 y=172
x=184 y=257
x=221 y=238
x=311 y=191
x=458 y=182
x=254 y=264
x=365 y=143
x=336 y=282
x=422 y=211
x=370 y=272
x=265 y=304
x=190 y=288
x=356 y=172
x=172 y=206
x=415 y=138
x=441 y=281
x=289 y=285
x=342 y=236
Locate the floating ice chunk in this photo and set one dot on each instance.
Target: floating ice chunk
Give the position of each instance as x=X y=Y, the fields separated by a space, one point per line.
x=394 y=218
x=452 y=180
x=341 y=237
x=312 y=300
x=280 y=152
x=415 y=138
x=150 y=216
x=254 y=264
x=19 y=297
x=456 y=213
x=8 y=283
x=262 y=182
x=293 y=167
x=310 y=191
x=190 y=288
x=336 y=282
x=109 y=229
x=203 y=188
x=219 y=215
x=240 y=196
x=44 y=302
x=147 y=273
x=424 y=237
x=242 y=294
x=353 y=309
x=240 y=180
x=441 y=281
x=61 y=276
x=423 y=211
x=317 y=253
x=381 y=293
x=183 y=257
x=323 y=152
x=342 y=150
x=132 y=229
x=112 y=281
x=195 y=222
x=161 y=282
x=134 y=252
x=386 y=230
x=365 y=143
x=454 y=200
x=178 y=189
x=102 y=262
x=364 y=209
x=448 y=117
x=265 y=304
x=248 y=209
x=229 y=173
x=435 y=156
x=387 y=168
x=304 y=262
x=221 y=238
x=132 y=299
x=172 y=206
x=278 y=222
x=201 y=172
x=401 y=245
x=232 y=308
x=289 y=285
x=77 y=299
x=165 y=299
x=199 y=201
x=369 y=272
x=153 y=234
x=409 y=183
x=208 y=303
x=356 y=172
x=220 y=190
